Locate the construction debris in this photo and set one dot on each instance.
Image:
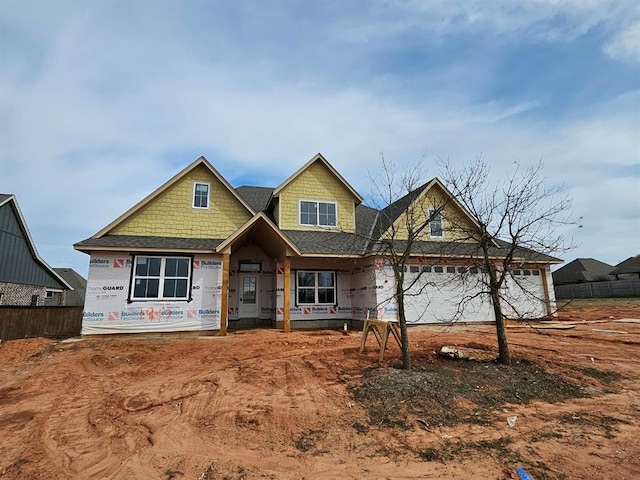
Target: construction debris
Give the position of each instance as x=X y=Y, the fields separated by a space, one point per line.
x=452 y=352
x=622 y=332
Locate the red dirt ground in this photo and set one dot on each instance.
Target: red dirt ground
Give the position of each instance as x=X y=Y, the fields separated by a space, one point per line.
x=263 y=404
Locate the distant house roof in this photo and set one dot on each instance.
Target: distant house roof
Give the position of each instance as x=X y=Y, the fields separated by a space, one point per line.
x=582 y=270
x=630 y=265
x=20 y=262
x=79 y=284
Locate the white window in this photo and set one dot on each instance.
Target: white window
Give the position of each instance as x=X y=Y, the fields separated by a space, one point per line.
x=316 y=288
x=200 y=195
x=163 y=278
x=321 y=214
x=435 y=225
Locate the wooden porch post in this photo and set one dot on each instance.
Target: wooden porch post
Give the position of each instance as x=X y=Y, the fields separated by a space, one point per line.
x=224 y=304
x=286 y=314
x=547 y=297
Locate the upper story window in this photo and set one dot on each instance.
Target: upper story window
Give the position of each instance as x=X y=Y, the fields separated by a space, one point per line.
x=200 y=195
x=322 y=214
x=435 y=225
x=162 y=278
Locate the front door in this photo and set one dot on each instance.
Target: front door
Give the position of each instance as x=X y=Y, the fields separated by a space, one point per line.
x=249 y=305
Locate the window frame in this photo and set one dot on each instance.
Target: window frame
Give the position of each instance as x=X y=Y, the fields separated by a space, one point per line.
x=193 y=197
x=162 y=277
x=316 y=288
x=317 y=213
x=431 y=223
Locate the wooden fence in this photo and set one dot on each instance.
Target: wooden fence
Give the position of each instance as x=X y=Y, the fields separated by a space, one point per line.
x=29 y=322
x=613 y=288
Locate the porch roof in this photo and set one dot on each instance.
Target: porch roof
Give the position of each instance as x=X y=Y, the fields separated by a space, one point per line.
x=133 y=242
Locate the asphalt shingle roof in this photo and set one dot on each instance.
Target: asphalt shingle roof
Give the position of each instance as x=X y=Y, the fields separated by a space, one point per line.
x=630 y=265
x=257 y=197
x=582 y=270
x=133 y=242
x=327 y=243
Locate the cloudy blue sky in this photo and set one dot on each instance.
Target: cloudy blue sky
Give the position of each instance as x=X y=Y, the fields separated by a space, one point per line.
x=101 y=102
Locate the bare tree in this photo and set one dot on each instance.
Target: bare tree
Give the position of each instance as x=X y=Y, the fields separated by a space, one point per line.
x=516 y=224
x=404 y=220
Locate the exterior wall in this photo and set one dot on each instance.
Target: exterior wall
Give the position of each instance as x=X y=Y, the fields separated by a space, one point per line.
x=107 y=311
x=19 y=294
x=316 y=183
x=17 y=262
x=172 y=215
x=355 y=291
x=455 y=223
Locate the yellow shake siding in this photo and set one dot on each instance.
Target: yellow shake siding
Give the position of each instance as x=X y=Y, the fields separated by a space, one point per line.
x=456 y=225
x=172 y=215
x=316 y=183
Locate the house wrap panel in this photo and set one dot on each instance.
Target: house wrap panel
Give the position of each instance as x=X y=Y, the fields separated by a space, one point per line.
x=108 y=311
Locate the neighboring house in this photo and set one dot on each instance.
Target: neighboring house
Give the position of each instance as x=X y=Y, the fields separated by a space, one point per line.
x=75 y=297
x=582 y=270
x=25 y=278
x=629 y=269
x=198 y=254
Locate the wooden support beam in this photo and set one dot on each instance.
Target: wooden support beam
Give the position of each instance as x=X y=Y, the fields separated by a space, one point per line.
x=286 y=310
x=224 y=304
x=381 y=329
x=547 y=296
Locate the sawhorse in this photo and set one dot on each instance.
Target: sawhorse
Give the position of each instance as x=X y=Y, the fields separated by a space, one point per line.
x=381 y=330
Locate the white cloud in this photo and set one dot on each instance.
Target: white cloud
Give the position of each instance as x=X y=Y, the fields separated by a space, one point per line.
x=98 y=108
x=626 y=45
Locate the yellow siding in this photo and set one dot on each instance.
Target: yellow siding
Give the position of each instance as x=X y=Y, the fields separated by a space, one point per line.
x=172 y=215
x=316 y=183
x=455 y=223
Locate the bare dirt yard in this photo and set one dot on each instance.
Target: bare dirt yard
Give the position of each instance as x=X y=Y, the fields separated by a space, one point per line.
x=262 y=404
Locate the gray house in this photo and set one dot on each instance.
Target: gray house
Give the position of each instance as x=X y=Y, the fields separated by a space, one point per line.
x=75 y=297
x=25 y=278
x=629 y=269
x=582 y=270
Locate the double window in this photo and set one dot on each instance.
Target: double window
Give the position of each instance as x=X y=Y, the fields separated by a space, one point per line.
x=200 y=195
x=435 y=225
x=161 y=278
x=316 y=288
x=322 y=214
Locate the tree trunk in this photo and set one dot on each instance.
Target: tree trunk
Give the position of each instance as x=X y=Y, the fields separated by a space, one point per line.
x=404 y=334
x=503 y=346
x=494 y=290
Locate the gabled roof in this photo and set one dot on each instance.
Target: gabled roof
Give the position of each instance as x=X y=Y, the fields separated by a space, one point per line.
x=390 y=214
x=272 y=230
x=630 y=265
x=582 y=270
x=172 y=181
x=318 y=158
x=10 y=200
